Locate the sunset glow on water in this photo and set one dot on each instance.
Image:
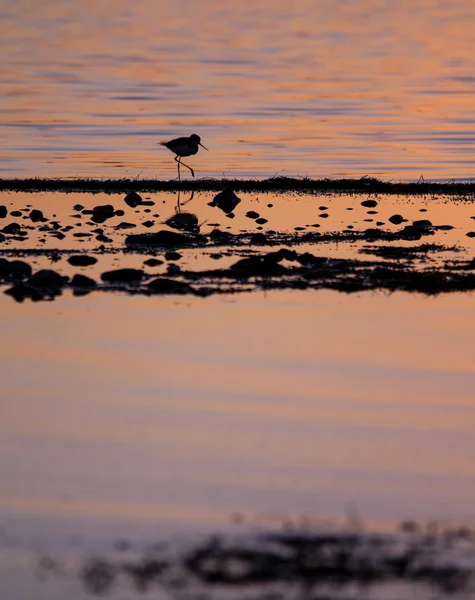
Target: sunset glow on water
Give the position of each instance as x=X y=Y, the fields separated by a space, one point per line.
x=322 y=89
x=237 y=358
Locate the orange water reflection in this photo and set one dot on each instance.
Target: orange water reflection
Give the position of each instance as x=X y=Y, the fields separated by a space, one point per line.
x=314 y=88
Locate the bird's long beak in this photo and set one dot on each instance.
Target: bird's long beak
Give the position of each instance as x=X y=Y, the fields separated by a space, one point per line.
x=203 y=146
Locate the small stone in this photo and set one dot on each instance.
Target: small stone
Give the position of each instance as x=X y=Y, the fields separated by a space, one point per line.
x=16 y=213
x=471 y=234
x=396 y=219
x=133 y=199
x=153 y=262
x=226 y=200
x=102 y=213
x=3 y=211
x=12 y=228
x=261 y=220
x=125 y=225
x=81 y=260
x=172 y=255
x=103 y=238
x=323 y=208
x=369 y=203
x=78 y=207
x=148 y=223
x=252 y=214
x=422 y=224
x=119 y=213
x=36 y=215
x=323 y=216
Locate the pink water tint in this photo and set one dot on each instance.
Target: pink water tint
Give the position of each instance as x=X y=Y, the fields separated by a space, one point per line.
x=312 y=88
x=185 y=411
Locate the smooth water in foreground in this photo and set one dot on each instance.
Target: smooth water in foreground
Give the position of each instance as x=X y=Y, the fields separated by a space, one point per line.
x=322 y=89
x=148 y=417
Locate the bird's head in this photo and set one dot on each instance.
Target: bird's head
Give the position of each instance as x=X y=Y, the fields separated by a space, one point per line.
x=197 y=140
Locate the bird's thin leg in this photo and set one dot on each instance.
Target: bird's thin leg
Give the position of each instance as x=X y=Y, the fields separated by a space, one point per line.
x=177 y=158
x=178 y=205
x=190 y=198
x=192 y=172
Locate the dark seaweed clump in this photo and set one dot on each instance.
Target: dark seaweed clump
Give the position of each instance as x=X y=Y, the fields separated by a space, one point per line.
x=315 y=565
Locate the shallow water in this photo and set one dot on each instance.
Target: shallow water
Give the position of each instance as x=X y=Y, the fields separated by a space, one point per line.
x=145 y=418
x=313 y=88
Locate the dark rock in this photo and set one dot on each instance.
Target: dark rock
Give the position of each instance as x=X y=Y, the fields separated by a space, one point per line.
x=3 y=211
x=12 y=228
x=369 y=203
x=252 y=214
x=103 y=238
x=373 y=234
x=171 y=255
x=82 y=234
x=221 y=236
x=125 y=225
x=119 y=213
x=258 y=239
x=261 y=220
x=169 y=286
x=184 y=222
x=133 y=199
x=256 y=266
x=226 y=200
x=165 y=239
x=82 y=260
x=36 y=215
x=411 y=233
x=422 y=223
x=148 y=223
x=58 y=235
x=102 y=213
x=323 y=208
x=323 y=216
x=14 y=270
x=396 y=219
x=81 y=281
x=123 y=276
x=148 y=203
x=153 y=262
x=78 y=207
x=16 y=213
x=173 y=269
x=471 y=234
x=47 y=280
x=445 y=227
x=2 y=237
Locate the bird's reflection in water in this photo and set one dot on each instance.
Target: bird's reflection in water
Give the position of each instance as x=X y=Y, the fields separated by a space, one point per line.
x=184 y=221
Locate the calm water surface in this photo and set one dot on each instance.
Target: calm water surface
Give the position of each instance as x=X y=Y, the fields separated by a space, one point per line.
x=309 y=88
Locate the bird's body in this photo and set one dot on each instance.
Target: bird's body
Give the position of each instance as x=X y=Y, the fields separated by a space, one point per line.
x=184 y=146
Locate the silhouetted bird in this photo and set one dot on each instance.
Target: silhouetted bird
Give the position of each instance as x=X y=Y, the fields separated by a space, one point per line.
x=184 y=146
